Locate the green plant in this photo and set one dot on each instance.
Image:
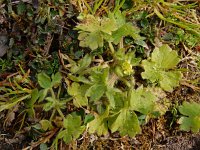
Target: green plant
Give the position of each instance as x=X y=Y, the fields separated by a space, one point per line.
x=5 y=65
x=17 y=91
x=107 y=88
x=176 y=18
x=115 y=107
x=72 y=128
x=112 y=81
x=158 y=68
x=51 y=102
x=96 y=87
x=191 y=116
x=94 y=30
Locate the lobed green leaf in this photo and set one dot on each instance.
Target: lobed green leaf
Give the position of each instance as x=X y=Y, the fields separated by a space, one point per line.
x=126 y=122
x=191 y=118
x=73 y=128
x=99 y=124
x=142 y=101
x=79 y=94
x=158 y=68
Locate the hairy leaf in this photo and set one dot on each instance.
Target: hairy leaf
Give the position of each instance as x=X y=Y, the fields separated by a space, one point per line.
x=96 y=91
x=120 y=17
x=191 y=118
x=165 y=57
x=126 y=30
x=142 y=101
x=190 y=123
x=108 y=25
x=169 y=80
x=92 y=40
x=126 y=122
x=111 y=95
x=56 y=78
x=93 y=29
x=99 y=84
x=157 y=69
x=100 y=76
x=82 y=64
x=90 y=24
x=73 y=128
x=99 y=124
x=190 y=109
x=78 y=92
x=49 y=104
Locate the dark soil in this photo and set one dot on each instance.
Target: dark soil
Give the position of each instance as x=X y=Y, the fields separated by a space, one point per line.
x=190 y=142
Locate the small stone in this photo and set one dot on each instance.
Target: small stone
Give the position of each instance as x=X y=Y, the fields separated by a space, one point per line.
x=3 y=50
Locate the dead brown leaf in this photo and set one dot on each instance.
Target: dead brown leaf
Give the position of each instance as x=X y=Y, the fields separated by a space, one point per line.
x=11 y=116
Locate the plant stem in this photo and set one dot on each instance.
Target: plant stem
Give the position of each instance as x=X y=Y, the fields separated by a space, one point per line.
x=60 y=113
x=121 y=44
x=52 y=93
x=111 y=47
x=59 y=90
x=57 y=108
x=52 y=115
x=23 y=119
